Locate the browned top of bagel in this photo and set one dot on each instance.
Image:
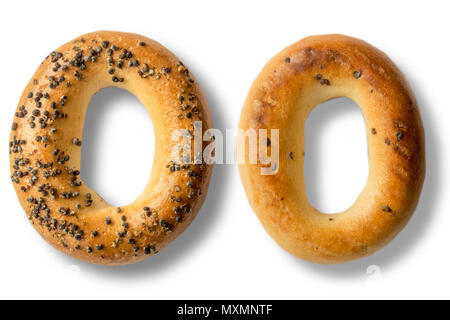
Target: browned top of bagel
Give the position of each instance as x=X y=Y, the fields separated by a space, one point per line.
x=45 y=148
x=292 y=83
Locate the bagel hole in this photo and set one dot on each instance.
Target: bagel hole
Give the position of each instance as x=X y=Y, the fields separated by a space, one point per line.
x=118 y=146
x=336 y=161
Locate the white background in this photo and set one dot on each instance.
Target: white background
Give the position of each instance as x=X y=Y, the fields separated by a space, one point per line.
x=226 y=253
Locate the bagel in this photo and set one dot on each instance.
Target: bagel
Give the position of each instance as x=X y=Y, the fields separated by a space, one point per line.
x=300 y=77
x=45 y=148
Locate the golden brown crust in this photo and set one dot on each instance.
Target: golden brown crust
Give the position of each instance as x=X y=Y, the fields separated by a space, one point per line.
x=292 y=83
x=45 y=148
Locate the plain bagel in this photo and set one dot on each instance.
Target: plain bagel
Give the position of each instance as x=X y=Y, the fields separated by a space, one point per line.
x=292 y=83
x=45 y=148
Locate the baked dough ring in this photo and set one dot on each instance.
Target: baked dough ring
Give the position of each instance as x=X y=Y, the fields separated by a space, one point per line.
x=300 y=77
x=45 y=148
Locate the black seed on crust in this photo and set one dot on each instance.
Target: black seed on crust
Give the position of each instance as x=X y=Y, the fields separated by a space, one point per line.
x=399 y=135
x=149 y=249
